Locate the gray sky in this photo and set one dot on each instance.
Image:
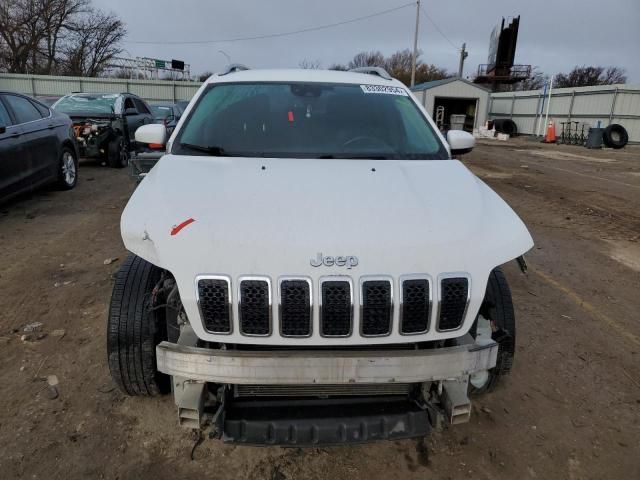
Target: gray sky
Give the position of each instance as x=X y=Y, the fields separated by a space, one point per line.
x=572 y=32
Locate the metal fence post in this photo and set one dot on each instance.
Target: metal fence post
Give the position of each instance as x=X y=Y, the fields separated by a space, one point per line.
x=573 y=96
x=513 y=103
x=613 y=105
x=536 y=118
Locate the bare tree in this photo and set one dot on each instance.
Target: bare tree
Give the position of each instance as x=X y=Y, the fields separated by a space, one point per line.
x=56 y=36
x=93 y=43
x=586 y=76
x=397 y=64
x=20 y=32
x=203 y=77
x=535 y=81
x=367 y=59
x=339 y=67
x=57 y=16
x=310 y=64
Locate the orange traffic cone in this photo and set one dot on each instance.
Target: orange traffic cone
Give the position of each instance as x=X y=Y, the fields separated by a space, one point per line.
x=551 y=133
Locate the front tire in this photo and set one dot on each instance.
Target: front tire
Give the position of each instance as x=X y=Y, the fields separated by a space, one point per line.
x=67 y=169
x=497 y=320
x=134 y=330
x=118 y=153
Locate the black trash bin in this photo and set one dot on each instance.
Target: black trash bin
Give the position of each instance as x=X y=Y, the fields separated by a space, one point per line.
x=594 y=139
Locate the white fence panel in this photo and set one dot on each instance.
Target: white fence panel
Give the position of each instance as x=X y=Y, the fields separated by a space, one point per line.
x=56 y=86
x=587 y=105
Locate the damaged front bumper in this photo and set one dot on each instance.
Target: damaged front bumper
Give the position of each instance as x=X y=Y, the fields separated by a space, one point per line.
x=324 y=367
x=206 y=383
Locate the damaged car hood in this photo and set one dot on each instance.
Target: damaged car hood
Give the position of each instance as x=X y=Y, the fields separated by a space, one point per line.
x=250 y=216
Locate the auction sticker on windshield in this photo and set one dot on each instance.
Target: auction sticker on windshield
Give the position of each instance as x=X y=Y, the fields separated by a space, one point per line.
x=384 y=89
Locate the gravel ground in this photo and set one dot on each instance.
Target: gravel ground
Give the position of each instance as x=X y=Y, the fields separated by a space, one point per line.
x=571 y=408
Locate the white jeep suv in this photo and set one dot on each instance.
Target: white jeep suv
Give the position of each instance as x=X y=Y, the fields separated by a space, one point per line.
x=310 y=266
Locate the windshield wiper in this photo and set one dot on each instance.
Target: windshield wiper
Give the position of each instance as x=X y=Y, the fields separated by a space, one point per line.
x=210 y=150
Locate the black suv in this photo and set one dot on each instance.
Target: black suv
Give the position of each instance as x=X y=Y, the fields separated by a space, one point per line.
x=105 y=123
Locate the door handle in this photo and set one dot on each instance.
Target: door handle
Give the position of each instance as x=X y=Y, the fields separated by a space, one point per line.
x=14 y=135
x=50 y=126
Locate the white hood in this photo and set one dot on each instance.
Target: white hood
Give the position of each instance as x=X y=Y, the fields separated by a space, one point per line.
x=272 y=216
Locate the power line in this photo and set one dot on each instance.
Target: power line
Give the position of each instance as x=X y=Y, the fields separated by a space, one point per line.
x=438 y=29
x=273 y=35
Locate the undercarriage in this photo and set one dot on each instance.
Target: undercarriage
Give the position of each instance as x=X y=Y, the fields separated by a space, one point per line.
x=321 y=397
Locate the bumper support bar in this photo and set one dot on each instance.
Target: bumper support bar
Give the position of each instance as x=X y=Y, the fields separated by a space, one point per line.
x=324 y=367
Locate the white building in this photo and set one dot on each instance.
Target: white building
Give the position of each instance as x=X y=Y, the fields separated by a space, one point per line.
x=457 y=97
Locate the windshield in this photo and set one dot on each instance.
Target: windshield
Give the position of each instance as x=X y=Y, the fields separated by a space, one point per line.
x=314 y=120
x=86 y=104
x=160 y=112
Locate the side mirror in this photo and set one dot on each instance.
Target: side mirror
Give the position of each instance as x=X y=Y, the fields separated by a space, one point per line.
x=152 y=133
x=3 y=128
x=460 y=142
x=130 y=111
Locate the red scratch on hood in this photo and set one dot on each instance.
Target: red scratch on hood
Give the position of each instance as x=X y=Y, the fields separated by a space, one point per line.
x=176 y=229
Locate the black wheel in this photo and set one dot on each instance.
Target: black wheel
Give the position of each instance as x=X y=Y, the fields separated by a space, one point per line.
x=497 y=320
x=67 y=169
x=505 y=125
x=134 y=330
x=615 y=136
x=118 y=153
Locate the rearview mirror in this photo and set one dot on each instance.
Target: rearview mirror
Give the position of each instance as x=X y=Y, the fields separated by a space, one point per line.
x=2 y=128
x=130 y=111
x=460 y=142
x=152 y=133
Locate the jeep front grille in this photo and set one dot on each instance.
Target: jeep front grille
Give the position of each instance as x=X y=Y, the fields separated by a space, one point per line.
x=301 y=306
x=376 y=307
x=454 y=297
x=295 y=308
x=254 y=308
x=215 y=303
x=336 y=308
x=416 y=306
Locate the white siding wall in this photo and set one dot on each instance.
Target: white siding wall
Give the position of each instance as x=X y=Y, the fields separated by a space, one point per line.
x=588 y=105
x=53 y=86
x=456 y=89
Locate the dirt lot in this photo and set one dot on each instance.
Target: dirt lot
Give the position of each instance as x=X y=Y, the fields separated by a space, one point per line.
x=570 y=410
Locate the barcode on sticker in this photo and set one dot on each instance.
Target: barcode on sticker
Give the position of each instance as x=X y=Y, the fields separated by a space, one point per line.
x=384 y=89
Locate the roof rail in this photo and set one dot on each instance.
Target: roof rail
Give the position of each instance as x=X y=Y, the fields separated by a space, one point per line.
x=379 y=71
x=234 y=67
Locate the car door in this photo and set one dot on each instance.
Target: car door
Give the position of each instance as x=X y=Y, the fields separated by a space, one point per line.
x=38 y=137
x=13 y=167
x=146 y=116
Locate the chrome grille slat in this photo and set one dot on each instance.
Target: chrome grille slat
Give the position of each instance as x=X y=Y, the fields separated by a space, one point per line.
x=213 y=294
x=336 y=306
x=415 y=308
x=295 y=307
x=454 y=299
x=376 y=306
x=254 y=306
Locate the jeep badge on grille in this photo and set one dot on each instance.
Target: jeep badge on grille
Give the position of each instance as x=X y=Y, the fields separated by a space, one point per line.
x=348 y=261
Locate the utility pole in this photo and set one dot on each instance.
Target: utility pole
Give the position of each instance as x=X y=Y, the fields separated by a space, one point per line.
x=415 y=45
x=463 y=54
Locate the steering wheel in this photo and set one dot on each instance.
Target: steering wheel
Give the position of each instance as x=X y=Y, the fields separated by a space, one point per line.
x=365 y=138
